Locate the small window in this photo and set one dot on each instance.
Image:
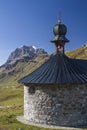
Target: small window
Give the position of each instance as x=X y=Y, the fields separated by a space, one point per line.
x=32 y=90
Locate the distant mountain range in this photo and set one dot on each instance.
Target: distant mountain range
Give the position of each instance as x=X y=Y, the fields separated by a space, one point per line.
x=26 y=59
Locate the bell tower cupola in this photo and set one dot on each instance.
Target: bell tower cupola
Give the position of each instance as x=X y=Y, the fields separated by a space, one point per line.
x=59 y=40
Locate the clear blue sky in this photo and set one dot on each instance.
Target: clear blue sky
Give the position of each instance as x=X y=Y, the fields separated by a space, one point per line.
x=30 y=22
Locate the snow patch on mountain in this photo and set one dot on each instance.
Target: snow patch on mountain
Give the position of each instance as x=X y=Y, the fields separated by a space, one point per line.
x=34 y=47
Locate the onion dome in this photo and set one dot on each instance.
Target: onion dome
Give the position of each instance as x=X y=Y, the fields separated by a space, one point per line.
x=60 y=31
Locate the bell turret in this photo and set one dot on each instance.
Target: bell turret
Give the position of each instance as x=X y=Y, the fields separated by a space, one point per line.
x=60 y=31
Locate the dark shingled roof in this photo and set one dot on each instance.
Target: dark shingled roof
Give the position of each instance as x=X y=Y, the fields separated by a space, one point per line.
x=59 y=69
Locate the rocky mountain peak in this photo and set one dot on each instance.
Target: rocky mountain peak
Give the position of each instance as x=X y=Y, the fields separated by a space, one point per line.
x=23 y=52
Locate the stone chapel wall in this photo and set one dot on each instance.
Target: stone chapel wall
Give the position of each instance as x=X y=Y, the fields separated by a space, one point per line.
x=56 y=105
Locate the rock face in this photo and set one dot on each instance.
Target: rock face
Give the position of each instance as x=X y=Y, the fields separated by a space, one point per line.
x=27 y=52
x=56 y=105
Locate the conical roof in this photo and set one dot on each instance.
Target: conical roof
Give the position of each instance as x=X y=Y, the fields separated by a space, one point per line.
x=59 y=69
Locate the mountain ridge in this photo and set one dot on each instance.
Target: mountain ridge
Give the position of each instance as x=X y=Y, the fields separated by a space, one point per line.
x=25 y=51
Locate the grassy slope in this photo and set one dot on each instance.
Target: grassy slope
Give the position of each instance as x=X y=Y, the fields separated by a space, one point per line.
x=80 y=53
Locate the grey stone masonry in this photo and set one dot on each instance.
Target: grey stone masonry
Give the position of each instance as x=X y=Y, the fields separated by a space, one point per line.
x=64 y=105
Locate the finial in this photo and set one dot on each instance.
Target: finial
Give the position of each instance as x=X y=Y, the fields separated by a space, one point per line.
x=59 y=21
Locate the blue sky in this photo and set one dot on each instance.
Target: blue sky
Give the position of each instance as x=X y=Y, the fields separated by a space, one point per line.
x=30 y=22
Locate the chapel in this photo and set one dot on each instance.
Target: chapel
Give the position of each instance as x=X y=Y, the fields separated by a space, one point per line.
x=55 y=94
